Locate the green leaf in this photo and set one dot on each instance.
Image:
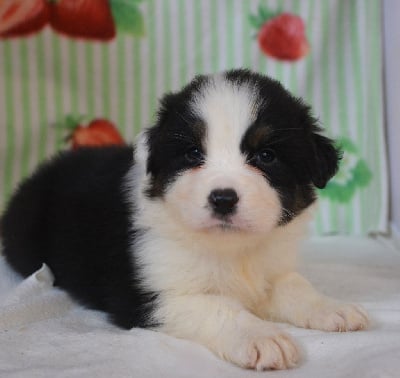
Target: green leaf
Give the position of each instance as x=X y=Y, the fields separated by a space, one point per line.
x=362 y=174
x=70 y=121
x=263 y=11
x=339 y=193
x=254 y=21
x=261 y=17
x=265 y=14
x=128 y=17
x=346 y=144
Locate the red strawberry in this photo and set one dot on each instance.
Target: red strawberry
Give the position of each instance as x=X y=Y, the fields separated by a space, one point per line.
x=82 y=18
x=99 y=132
x=22 y=17
x=283 y=37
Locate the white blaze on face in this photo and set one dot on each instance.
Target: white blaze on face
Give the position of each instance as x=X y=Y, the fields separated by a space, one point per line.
x=227 y=111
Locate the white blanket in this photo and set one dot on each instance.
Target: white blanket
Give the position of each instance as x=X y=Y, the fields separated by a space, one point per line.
x=43 y=333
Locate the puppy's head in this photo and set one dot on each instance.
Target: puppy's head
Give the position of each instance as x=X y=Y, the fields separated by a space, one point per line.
x=234 y=153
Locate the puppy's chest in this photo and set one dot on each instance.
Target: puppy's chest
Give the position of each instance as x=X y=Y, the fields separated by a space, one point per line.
x=243 y=280
x=176 y=271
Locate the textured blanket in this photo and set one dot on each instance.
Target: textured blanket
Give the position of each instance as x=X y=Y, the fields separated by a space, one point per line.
x=43 y=333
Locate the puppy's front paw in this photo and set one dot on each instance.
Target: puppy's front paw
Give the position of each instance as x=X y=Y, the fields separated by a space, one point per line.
x=337 y=317
x=263 y=350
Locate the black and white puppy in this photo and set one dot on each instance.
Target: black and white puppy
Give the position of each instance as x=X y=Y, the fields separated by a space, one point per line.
x=193 y=232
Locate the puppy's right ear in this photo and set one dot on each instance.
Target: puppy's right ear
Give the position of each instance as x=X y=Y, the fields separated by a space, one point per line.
x=325 y=160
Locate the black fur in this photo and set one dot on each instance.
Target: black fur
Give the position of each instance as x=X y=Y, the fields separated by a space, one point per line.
x=73 y=216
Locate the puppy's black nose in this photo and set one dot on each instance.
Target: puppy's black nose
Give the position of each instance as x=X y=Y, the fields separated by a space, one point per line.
x=223 y=201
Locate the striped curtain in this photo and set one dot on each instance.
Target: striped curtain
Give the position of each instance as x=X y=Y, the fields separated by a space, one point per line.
x=46 y=76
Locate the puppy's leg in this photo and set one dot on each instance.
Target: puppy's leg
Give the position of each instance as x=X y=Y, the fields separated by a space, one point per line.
x=294 y=300
x=225 y=327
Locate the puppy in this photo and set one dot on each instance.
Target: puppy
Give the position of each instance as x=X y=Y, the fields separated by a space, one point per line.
x=193 y=232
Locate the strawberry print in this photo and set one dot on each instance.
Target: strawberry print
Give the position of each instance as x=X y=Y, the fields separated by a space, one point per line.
x=281 y=36
x=85 y=19
x=22 y=17
x=82 y=18
x=98 y=132
x=353 y=175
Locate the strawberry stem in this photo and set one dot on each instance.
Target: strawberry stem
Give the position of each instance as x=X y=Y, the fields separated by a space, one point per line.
x=262 y=16
x=71 y=121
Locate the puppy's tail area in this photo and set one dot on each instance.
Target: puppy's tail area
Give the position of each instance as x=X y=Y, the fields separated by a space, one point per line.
x=19 y=234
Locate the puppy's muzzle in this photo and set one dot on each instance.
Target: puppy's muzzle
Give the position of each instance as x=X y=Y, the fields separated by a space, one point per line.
x=223 y=201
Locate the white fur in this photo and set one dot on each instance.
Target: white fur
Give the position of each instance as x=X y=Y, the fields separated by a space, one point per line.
x=219 y=287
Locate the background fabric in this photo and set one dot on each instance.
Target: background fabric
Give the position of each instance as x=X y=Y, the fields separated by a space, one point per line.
x=46 y=76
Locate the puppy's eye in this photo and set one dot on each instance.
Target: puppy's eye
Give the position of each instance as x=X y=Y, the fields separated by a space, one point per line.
x=194 y=155
x=265 y=157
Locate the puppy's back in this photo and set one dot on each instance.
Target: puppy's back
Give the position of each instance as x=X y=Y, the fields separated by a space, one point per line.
x=56 y=211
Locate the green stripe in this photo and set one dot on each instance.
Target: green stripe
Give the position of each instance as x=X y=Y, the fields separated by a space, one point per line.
x=42 y=97
x=310 y=30
x=105 y=93
x=121 y=120
x=198 y=37
x=356 y=72
x=369 y=112
x=278 y=64
x=230 y=34
x=359 y=95
x=167 y=38
x=293 y=79
x=247 y=34
x=25 y=108
x=378 y=92
x=58 y=90
x=326 y=102
x=318 y=221
x=152 y=58
x=73 y=76
x=90 y=77
x=137 y=98
x=367 y=96
x=342 y=99
x=9 y=119
x=325 y=92
x=182 y=43
x=214 y=37
x=375 y=104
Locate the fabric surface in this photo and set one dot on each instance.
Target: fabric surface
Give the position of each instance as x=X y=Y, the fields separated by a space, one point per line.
x=47 y=76
x=44 y=334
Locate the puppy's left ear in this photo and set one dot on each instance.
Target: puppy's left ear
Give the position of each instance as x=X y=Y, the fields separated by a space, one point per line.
x=325 y=160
